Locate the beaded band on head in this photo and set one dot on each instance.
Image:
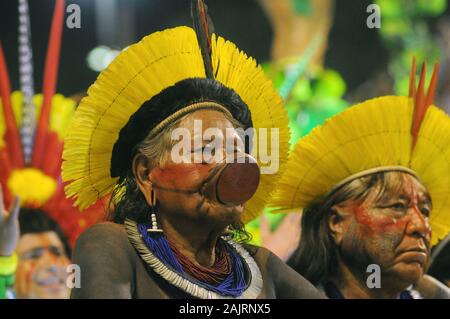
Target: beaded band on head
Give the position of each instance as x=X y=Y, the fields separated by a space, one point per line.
x=203 y=105
x=380 y=169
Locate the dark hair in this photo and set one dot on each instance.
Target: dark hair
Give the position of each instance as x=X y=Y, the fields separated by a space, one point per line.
x=316 y=254
x=35 y=221
x=440 y=264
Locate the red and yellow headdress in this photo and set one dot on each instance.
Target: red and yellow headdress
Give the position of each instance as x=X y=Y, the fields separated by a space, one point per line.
x=30 y=158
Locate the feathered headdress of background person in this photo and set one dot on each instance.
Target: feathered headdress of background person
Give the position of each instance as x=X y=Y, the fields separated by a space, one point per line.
x=32 y=128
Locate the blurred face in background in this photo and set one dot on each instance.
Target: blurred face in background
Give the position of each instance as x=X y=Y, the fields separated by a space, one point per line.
x=41 y=271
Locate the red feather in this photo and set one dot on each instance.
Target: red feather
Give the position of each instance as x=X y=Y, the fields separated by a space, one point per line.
x=69 y=218
x=419 y=107
x=432 y=87
x=51 y=164
x=12 y=137
x=412 y=80
x=421 y=103
x=49 y=84
x=5 y=165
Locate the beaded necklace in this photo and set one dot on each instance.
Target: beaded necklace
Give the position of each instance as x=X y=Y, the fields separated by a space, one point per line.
x=229 y=276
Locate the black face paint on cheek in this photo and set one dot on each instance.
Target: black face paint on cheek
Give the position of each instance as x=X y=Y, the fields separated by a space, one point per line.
x=384 y=247
x=353 y=249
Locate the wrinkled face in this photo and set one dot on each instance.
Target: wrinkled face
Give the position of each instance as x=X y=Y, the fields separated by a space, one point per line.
x=390 y=229
x=213 y=137
x=41 y=272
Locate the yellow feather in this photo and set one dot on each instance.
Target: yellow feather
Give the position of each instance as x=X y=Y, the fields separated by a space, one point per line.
x=31 y=185
x=369 y=135
x=142 y=71
x=60 y=115
x=237 y=71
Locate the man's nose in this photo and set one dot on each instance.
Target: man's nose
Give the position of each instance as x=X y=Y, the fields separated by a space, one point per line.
x=418 y=224
x=47 y=257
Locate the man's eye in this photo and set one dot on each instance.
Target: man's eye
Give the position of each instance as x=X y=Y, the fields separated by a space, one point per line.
x=425 y=211
x=398 y=206
x=34 y=254
x=56 y=251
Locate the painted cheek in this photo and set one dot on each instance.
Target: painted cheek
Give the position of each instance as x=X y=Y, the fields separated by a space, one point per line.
x=364 y=219
x=24 y=275
x=391 y=225
x=377 y=224
x=180 y=175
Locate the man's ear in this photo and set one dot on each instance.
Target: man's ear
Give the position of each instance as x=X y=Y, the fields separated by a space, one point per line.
x=141 y=171
x=337 y=223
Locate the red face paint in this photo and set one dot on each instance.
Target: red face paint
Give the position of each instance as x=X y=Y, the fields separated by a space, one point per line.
x=181 y=176
x=376 y=218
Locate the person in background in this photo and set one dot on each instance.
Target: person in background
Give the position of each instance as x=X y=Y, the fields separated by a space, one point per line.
x=43 y=256
x=38 y=254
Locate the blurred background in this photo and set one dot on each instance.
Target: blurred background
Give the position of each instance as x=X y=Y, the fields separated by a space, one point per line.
x=322 y=55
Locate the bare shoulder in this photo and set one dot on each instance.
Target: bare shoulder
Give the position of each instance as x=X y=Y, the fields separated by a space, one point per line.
x=105 y=239
x=107 y=262
x=431 y=288
x=106 y=229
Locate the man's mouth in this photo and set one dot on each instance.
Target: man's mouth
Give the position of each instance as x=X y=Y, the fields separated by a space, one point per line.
x=414 y=255
x=50 y=281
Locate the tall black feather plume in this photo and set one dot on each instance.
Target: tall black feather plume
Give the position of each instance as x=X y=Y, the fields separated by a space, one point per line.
x=204 y=29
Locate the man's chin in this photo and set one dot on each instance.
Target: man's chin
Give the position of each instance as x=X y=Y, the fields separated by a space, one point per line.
x=226 y=214
x=408 y=273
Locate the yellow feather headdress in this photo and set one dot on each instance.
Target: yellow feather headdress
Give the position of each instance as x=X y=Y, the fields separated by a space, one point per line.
x=381 y=134
x=159 y=61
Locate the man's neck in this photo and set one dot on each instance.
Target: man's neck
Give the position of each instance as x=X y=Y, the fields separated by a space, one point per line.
x=194 y=240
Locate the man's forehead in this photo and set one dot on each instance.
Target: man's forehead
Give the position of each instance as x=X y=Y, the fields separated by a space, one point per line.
x=404 y=187
x=207 y=118
x=36 y=240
